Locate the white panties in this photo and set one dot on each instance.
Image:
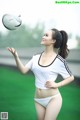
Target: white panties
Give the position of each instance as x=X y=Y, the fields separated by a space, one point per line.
x=44 y=101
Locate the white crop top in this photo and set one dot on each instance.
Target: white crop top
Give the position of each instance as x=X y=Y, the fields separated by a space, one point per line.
x=49 y=72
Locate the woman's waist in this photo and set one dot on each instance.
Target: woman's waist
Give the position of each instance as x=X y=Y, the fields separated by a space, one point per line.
x=41 y=84
x=42 y=93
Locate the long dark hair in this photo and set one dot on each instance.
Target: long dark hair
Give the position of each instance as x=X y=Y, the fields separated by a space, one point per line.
x=61 y=38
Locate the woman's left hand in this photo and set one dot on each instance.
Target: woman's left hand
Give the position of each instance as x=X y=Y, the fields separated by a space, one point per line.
x=51 y=84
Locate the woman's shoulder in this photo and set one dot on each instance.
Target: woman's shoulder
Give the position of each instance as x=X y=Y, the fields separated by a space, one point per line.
x=37 y=55
x=61 y=59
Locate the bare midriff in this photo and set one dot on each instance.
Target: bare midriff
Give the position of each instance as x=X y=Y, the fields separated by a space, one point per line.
x=42 y=93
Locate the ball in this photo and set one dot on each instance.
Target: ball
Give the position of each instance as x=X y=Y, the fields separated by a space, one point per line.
x=11 y=22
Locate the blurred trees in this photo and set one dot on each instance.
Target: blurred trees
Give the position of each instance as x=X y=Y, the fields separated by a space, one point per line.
x=78 y=39
x=24 y=36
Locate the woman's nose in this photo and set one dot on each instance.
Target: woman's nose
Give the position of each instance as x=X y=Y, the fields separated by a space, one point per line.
x=43 y=37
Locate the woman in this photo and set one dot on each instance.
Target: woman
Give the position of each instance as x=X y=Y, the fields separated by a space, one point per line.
x=46 y=67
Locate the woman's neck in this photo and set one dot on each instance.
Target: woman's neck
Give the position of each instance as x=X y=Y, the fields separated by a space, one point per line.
x=50 y=50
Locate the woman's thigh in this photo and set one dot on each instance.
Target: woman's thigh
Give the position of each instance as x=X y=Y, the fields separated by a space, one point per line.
x=53 y=108
x=40 y=111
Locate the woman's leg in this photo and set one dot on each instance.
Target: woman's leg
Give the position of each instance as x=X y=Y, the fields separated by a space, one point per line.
x=40 y=111
x=53 y=108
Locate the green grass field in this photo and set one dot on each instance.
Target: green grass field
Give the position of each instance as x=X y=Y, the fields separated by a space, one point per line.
x=17 y=97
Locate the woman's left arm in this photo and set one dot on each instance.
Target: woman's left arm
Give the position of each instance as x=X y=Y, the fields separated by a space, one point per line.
x=66 y=74
x=65 y=81
x=52 y=84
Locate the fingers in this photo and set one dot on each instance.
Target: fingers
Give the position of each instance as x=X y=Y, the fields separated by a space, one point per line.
x=8 y=48
x=48 y=84
x=12 y=50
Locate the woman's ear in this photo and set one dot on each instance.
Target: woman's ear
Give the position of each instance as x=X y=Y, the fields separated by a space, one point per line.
x=54 y=41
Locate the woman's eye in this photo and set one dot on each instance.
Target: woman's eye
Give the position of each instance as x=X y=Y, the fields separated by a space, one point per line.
x=45 y=34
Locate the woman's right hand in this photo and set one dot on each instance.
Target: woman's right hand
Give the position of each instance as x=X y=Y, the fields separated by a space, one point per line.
x=13 y=51
x=19 y=64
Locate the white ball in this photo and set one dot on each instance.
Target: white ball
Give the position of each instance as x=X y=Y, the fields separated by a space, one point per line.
x=11 y=22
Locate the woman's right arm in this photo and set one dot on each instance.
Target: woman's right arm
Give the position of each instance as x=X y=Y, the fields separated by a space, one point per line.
x=21 y=67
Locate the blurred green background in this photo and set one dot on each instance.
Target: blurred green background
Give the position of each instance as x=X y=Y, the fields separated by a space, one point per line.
x=17 y=90
x=17 y=96
x=26 y=36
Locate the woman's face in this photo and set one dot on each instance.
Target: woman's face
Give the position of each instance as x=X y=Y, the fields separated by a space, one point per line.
x=47 y=39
